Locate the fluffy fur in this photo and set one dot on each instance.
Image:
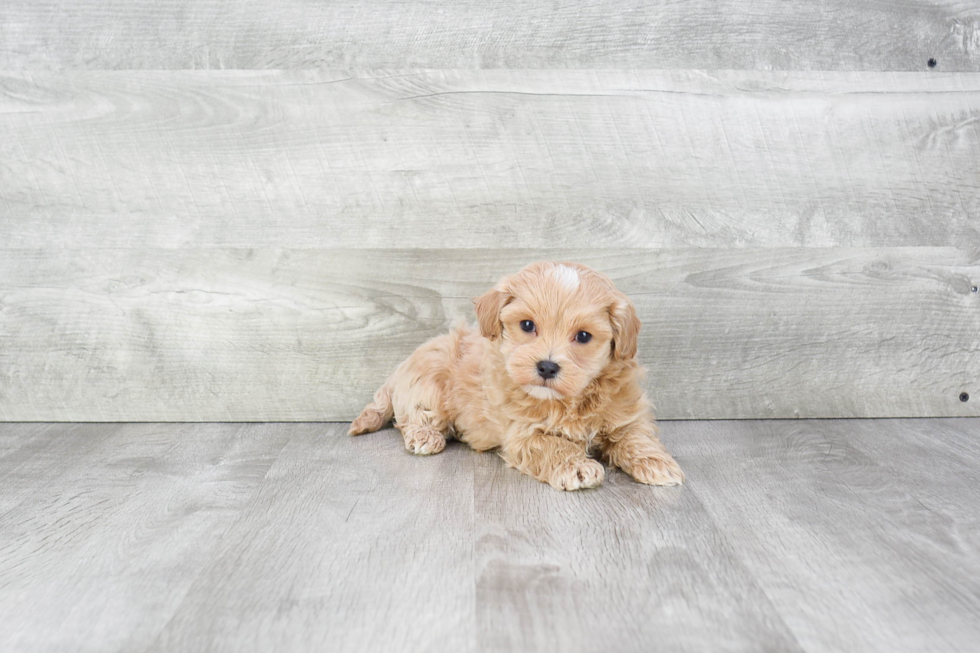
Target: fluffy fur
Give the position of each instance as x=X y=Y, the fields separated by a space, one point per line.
x=484 y=388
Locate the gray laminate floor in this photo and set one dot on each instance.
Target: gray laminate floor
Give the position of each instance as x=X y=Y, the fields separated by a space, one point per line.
x=789 y=535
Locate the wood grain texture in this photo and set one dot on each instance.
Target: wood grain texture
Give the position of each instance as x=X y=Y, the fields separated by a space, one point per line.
x=503 y=159
x=351 y=545
x=625 y=568
x=122 y=530
x=817 y=536
x=913 y=450
x=744 y=34
x=820 y=525
x=33 y=454
x=254 y=335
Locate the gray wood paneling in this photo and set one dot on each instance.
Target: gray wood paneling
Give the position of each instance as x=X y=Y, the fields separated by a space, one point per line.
x=223 y=334
x=498 y=159
x=743 y=34
x=841 y=535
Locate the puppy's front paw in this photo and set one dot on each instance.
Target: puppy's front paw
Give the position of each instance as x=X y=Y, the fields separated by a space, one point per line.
x=656 y=470
x=577 y=476
x=423 y=440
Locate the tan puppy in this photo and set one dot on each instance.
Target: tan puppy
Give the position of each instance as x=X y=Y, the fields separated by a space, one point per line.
x=551 y=375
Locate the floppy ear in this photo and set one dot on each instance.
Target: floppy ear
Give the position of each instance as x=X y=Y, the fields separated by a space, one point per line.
x=625 y=327
x=488 y=306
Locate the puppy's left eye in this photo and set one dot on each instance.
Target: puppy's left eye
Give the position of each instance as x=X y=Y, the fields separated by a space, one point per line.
x=583 y=337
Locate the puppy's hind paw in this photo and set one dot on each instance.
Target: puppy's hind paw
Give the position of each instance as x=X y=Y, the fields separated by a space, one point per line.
x=577 y=476
x=656 y=470
x=423 y=440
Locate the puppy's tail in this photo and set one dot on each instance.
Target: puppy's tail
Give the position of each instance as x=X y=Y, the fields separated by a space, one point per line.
x=375 y=415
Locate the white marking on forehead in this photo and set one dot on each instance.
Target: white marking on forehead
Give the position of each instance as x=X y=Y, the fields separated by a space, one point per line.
x=541 y=392
x=566 y=276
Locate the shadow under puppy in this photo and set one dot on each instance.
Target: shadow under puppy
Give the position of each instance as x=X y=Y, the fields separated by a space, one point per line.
x=551 y=376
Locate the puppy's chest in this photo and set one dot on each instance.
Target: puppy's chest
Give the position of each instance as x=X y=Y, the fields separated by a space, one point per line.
x=567 y=424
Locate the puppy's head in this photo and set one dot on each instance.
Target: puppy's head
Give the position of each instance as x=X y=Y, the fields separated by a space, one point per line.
x=558 y=326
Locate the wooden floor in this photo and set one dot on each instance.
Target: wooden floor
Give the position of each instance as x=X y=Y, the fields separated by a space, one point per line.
x=789 y=535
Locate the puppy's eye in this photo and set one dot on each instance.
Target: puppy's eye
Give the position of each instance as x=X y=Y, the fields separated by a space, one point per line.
x=583 y=337
x=527 y=326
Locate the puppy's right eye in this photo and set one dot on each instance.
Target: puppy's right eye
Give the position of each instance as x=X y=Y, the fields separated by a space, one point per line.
x=527 y=326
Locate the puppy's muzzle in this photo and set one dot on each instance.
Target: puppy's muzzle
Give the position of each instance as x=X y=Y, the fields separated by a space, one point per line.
x=548 y=369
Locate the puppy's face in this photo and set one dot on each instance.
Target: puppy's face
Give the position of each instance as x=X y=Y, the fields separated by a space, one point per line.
x=559 y=325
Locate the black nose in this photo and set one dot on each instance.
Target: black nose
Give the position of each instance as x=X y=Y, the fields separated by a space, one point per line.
x=548 y=369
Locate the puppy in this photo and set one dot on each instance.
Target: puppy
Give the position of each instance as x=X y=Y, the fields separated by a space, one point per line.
x=550 y=377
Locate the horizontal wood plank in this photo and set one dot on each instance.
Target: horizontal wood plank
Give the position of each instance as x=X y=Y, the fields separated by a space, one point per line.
x=276 y=334
x=249 y=34
x=488 y=159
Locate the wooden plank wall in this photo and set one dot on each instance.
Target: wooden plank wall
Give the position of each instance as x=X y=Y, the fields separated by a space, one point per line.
x=215 y=211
